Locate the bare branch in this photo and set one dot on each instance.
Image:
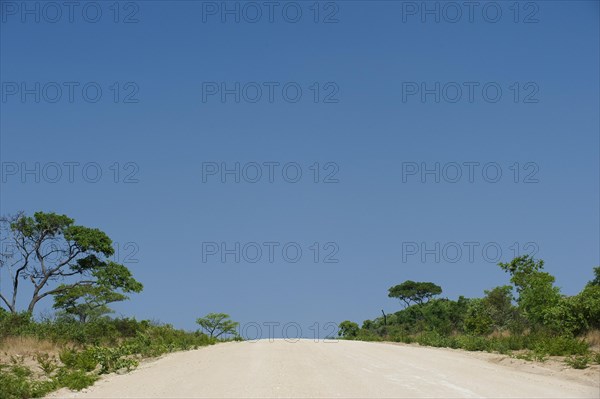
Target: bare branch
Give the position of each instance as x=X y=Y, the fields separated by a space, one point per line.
x=6 y=302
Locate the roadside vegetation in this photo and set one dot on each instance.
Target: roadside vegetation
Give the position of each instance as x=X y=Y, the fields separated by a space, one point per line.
x=72 y=265
x=37 y=357
x=529 y=319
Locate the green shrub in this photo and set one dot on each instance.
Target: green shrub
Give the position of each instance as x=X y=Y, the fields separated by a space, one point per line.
x=532 y=356
x=477 y=320
x=561 y=346
x=20 y=370
x=407 y=339
x=46 y=362
x=74 y=379
x=42 y=388
x=16 y=383
x=14 y=324
x=83 y=360
x=14 y=386
x=578 y=362
x=473 y=343
x=540 y=345
x=113 y=359
x=525 y=356
x=368 y=335
x=433 y=338
x=112 y=344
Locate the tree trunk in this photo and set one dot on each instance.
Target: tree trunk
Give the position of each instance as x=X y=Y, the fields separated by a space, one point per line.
x=34 y=300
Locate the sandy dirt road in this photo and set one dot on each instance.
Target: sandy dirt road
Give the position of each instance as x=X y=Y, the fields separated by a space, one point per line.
x=337 y=369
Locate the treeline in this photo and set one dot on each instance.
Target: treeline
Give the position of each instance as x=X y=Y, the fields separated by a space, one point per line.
x=530 y=317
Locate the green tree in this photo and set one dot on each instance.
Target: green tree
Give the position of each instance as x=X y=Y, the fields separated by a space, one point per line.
x=217 y=324
x=478 y=320
x=367 y=325
x=441 y=315
x=577 y=314
x=537 y=294
x=414 y=292
x=588 y=303
x=61 y=258
x=89 y=302
x=348 y=329
x=568 y=317
x=596 y=280
x=498 y=305
x=493 y=312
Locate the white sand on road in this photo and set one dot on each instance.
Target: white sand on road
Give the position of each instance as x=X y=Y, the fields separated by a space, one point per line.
x=337 y=369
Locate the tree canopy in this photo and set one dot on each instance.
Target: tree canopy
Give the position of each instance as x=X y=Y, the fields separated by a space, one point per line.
x=217 y=324
x=348 y=329
x=64 y=260
x=537 y=294
x=411 y=292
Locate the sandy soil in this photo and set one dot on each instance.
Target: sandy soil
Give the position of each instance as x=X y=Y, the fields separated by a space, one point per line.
x=341 y=369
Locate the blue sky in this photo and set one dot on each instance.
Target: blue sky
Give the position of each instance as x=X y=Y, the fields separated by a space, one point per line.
x=364 y=128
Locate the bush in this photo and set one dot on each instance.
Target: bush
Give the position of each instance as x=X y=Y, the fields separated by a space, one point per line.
x=433 y=338
x=532 y=356
x=14 y=324
x=478 y=321
x=407 y=339
x=46 y=362
x=74 y=379
x=348 y=329
x=578 y=362
x=474 y=343
x=16 y=384
x=84 y=360
x=539 y=345
x=561 y=346
x=100 y=346
x=368 y=335
x=113 y=359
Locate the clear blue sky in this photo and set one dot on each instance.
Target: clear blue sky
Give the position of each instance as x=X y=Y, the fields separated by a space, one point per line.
x=369 y=121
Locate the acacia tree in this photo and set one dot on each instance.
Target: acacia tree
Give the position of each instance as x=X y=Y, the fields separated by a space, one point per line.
x=217 y=324
x=62 y=259
x=87 y=302
x=411 y=292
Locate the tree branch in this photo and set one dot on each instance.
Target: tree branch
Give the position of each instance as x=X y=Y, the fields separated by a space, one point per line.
x=12 y=310
x=37 y=297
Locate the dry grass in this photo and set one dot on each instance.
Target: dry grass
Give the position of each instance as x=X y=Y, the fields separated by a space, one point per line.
x=500 y=334
x=25 y=347
x=593 y=338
